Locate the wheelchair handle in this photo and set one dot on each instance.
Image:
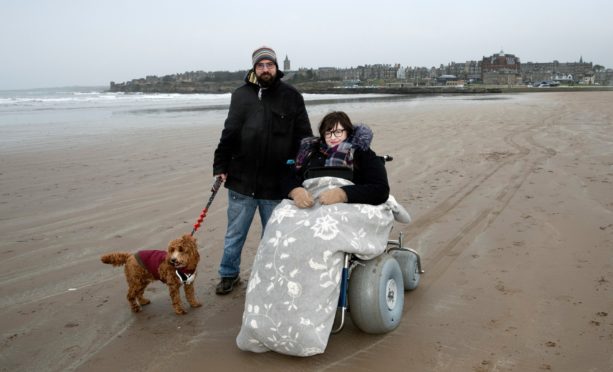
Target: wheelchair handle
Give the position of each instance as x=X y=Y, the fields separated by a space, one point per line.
x=387 y=157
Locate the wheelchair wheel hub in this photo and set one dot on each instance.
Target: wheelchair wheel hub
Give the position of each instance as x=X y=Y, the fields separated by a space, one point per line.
x=391 y=289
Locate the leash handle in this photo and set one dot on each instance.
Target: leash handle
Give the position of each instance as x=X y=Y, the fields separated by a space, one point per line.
x=216 y=186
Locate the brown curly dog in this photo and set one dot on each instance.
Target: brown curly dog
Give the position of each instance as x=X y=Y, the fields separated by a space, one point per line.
x=175 y=267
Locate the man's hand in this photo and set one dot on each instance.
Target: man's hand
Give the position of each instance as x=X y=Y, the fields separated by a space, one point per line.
x=222 y=175
x=333 y=196
x=302 y=198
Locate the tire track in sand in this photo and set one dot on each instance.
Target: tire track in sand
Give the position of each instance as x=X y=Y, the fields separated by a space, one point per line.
x=515 y=169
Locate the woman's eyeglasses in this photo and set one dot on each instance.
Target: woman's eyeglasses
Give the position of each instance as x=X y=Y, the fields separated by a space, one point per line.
x=337 y=133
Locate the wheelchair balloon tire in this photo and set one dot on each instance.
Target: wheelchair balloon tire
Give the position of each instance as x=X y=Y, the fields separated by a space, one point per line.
x=408 y=264
x=376 y=295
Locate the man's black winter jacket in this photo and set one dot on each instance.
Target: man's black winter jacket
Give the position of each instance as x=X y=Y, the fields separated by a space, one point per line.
x=260 y=134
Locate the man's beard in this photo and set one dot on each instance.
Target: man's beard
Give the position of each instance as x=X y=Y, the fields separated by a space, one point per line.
x=266 y=79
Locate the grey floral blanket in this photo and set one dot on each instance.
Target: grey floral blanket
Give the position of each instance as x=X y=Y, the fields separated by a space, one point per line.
x=293 y=290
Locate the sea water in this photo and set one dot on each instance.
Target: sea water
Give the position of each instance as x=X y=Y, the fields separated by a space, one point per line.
x=51 y=116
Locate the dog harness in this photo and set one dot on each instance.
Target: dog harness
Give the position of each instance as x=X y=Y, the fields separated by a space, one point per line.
x=152 y=259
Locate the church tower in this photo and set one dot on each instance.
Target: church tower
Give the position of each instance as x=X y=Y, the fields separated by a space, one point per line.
x=286 y=65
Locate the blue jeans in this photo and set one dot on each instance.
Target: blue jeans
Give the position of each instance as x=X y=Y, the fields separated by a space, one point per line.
x=241 y=209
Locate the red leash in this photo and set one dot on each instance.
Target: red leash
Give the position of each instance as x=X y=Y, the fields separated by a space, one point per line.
x=214 y=190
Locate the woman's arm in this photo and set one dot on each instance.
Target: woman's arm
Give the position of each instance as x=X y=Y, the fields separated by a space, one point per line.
x=370 y=179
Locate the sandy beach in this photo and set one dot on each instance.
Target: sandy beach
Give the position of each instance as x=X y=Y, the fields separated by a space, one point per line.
x=512 y=205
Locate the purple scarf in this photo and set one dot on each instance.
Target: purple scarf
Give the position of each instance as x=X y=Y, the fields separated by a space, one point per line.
x=340 y=155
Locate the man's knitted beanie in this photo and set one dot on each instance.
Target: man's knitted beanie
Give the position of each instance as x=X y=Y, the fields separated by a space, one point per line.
x=262 y=53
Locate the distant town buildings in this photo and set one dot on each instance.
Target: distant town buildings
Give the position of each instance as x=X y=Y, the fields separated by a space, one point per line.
x=570 y=72
x=497 y=69
x=494 y=70
x=501 y=69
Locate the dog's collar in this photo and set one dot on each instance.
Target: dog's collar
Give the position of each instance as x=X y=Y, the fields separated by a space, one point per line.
x=186 y=278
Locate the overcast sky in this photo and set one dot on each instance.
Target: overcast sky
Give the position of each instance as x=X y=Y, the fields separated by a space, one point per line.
x=85 y=42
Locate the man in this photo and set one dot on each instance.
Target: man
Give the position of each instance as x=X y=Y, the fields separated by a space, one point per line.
x=265 y=123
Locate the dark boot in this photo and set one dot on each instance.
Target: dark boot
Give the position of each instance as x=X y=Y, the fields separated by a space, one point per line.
x=226 y=285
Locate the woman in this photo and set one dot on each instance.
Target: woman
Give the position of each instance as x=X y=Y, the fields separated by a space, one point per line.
x=341 y=150
x=294 y=286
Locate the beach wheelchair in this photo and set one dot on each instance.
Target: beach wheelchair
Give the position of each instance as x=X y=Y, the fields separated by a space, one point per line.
x=372 y=291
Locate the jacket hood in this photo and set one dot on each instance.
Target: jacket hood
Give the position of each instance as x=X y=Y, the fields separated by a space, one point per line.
x=361 y=137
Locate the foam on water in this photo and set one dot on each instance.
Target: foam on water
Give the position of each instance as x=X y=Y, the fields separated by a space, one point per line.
x=60 y=98
x=46 y=97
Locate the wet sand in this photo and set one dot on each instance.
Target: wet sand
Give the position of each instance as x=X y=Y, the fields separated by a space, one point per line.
x=512 y=201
